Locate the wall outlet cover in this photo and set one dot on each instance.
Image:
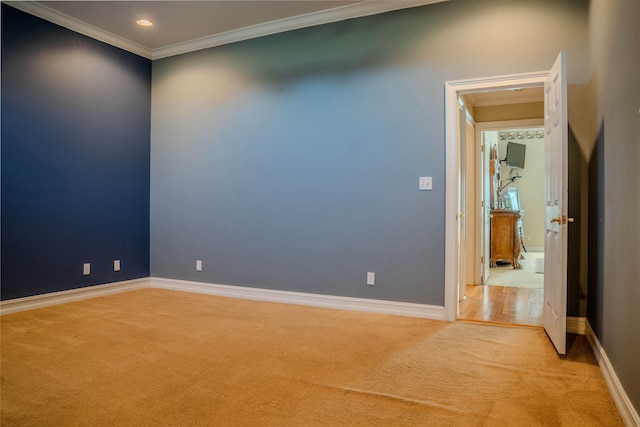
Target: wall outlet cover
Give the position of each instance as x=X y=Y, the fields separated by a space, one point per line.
x=425 y=183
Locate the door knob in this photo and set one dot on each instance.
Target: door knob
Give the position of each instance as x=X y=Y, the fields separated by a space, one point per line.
x=562 y=219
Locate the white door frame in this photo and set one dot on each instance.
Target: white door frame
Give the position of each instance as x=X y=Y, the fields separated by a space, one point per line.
x=453 y=89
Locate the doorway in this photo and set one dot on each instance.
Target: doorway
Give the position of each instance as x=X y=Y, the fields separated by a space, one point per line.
x=519 y=187
x=493 y=290
x=510 y=176
x=453 y=91
x=556 y=128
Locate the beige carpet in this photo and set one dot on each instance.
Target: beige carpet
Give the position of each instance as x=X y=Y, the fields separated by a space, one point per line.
x=527 y=277
x=165 y=358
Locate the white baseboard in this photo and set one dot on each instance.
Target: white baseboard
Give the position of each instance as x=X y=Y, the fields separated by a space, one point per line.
x=317 y=300
x=576 y=325
x=55 y=298
x=628 y=413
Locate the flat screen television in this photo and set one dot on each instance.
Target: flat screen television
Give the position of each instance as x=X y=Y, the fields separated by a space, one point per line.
x=515 y=155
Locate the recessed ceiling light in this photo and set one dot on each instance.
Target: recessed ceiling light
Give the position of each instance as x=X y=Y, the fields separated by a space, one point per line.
x=144 y=22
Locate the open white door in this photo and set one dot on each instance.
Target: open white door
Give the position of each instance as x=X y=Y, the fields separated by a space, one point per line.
x=485 y=228
x=555 y=246
x=462 y=203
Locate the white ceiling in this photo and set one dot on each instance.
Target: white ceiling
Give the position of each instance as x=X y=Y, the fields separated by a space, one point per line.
x=183 y=26
x=181 y=21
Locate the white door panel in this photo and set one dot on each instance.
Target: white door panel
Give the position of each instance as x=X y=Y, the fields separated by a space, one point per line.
x=555 y=248
x=462 y=203
x=486 y=221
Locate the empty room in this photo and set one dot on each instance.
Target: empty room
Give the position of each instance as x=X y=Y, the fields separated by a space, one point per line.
x=274 y=212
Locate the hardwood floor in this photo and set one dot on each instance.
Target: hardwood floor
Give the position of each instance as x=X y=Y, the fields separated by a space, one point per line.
x=502 y=304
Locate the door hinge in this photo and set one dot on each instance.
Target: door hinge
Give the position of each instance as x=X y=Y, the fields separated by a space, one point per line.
x=481 y=260
x=482 y=148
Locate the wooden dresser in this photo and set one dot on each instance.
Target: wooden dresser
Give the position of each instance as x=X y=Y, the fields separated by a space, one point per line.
x=505 y=239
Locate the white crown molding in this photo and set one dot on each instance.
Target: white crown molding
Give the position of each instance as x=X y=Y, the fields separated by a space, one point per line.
x=316 y=300
x=365 y=8
x=358 y=10
x=628 y=413
x=63 y=297
x=51 y=15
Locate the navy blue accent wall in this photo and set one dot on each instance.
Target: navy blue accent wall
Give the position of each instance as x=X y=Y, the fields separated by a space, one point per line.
x=75 y=158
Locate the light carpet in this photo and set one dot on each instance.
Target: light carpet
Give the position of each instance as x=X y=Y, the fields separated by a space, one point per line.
x=527 y=277
x=165 y=358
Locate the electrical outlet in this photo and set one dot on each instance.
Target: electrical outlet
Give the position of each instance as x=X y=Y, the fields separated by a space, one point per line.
x=116 y=265
x=425 y=183
x=198 y=265
x=371 y=278
x=86 y=269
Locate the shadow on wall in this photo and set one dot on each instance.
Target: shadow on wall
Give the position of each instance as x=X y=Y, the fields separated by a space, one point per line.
x=575 y=251
x=340 y=49
x=596 y=233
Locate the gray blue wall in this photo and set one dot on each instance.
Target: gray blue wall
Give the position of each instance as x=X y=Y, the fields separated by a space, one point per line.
x=291 y=162
x=614 y=307
x=75 y=159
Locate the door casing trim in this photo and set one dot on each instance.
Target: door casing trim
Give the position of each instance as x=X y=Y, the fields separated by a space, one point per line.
x=453 y=89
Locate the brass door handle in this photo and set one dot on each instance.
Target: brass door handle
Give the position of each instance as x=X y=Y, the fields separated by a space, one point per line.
x=562 y=219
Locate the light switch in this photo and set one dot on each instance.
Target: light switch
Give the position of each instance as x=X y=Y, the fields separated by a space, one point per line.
x=371 y=278
x=86 y=269
x=116 y=265
x=198 y=265
x=425 y=183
